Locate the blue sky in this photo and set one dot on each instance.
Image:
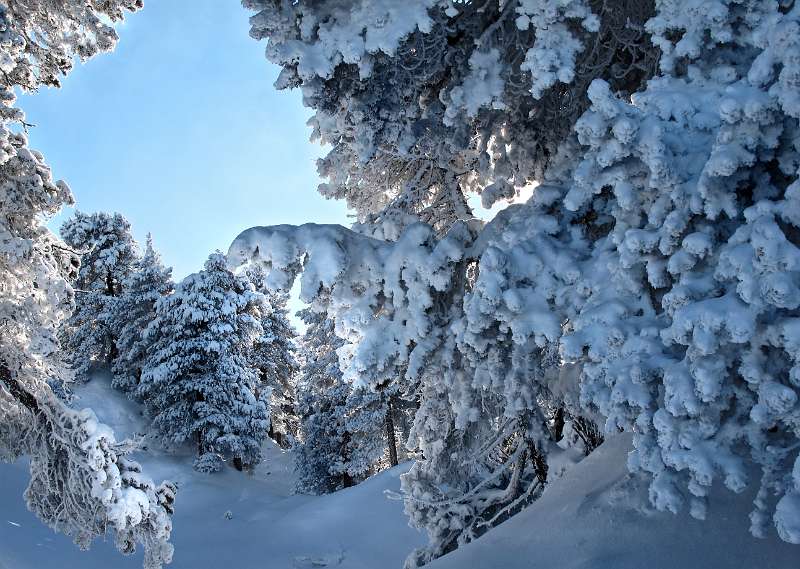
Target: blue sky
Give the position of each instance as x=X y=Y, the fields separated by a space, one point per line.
x=181 y=130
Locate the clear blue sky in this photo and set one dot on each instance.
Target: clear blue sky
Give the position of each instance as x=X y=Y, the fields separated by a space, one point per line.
x=181 y=130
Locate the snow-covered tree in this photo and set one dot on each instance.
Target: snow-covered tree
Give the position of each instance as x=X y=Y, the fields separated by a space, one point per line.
x=348 y=433
x=369 y=420
x=423 y=103
x=133 y=311
x=273 y=356
x=42 y=38
x=82 y=484
x=650 y=283
x=108 y=256
x=197 y=381
x=322 y=399
x=394 y=305
x=697 y=179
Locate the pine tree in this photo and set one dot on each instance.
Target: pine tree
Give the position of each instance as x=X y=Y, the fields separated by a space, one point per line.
x=197 y=381
x=447 y=99
x=109 y=255
x=273 y=356
x=370 y=449
x=345 y=429
x=133 y=311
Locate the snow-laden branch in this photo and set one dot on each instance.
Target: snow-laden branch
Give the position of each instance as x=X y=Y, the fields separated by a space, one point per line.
x=324 y=254
x=386 y=295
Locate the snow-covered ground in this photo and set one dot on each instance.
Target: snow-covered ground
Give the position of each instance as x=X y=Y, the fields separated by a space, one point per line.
x=597 y=517
x=357 y=528
x=593 y=517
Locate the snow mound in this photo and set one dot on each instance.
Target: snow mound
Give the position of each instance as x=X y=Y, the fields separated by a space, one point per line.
x=597 y=517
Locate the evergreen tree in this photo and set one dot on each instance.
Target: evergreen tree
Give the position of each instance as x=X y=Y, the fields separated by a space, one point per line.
x=348 y=432
x=197 y=382
x=133 y=311
x=108 y=257
x=657 y=258
x=273 y=356
x=367 y=420
x=425 y=103
x=323 y=455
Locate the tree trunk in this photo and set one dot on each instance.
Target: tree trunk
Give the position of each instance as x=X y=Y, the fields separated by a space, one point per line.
x=558 y=424
x=591 y=436
x=16 y=389
x=539 y=460
x=199 y=443
x=275 y=435
x=109 y=285
x=237 y=463
x=392 y=442
x=347 y=480
x=113 y=352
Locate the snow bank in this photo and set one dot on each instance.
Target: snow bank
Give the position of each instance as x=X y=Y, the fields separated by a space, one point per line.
x=597 y=517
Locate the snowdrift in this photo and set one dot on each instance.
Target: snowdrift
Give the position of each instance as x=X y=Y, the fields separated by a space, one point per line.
x=597 y=517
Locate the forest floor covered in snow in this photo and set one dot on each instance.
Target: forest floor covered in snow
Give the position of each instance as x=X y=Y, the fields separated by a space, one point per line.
x=269 y=526
x=595 y=516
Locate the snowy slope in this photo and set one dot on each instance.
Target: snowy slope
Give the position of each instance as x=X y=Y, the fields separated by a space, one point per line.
x=593 y=518
x=590 y=518
x=358 y=528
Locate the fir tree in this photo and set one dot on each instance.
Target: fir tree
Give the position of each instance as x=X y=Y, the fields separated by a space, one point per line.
x=133 y=311
x=108 y=257
x=82 y=483
x=348 y=432
x=656 y=260
x=197 y=381
x=323 y=455
x=273 y=356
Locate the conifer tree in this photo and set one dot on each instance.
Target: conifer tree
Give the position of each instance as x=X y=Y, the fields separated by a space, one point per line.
x=133 y=311
x=197 y=382
x=82 y=482
x=273 y=356
x=347 y=431
x=108 y=256
x=657 y=257
x=324 y=452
